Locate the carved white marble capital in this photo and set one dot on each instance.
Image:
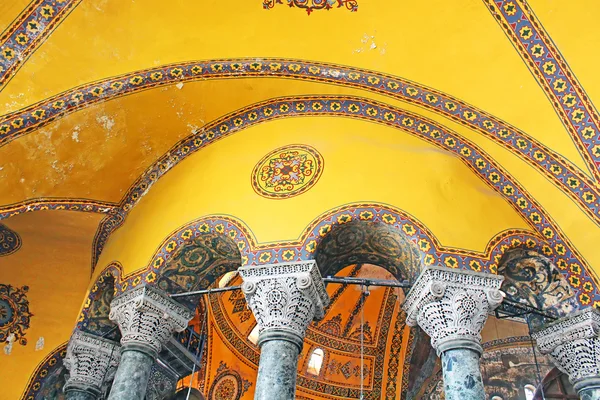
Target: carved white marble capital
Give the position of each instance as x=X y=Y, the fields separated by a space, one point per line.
x=92 y=361
x=147 y=317
x=573 y=344
x=284 y=298
x=452 y=305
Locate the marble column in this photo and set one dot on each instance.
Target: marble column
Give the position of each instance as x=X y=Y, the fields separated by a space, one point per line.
x=573 y=344
x=147 y=318
x=92 y=362
x=284 y=299
x=451 y=306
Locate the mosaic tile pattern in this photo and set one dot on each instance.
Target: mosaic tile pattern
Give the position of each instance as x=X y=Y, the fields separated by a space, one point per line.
x=376 y=351
x=256 y=254
x=554 y=75
x=51 y=367
x=228 y=384
x=57 y=204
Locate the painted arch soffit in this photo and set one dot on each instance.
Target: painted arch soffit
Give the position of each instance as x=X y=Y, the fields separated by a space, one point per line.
x=432 y=252
x=477 y=160
x=565 y=175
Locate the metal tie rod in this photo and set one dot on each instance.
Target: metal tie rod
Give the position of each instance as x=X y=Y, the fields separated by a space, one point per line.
x=528 y=309
x=207 y=291
x=329 y=279
x=367 y=282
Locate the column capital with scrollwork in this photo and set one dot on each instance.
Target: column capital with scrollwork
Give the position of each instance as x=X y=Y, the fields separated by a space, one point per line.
x=452 y=306
x=284 y=298
x=91 y=361
x=573 y=344
x=147 y=317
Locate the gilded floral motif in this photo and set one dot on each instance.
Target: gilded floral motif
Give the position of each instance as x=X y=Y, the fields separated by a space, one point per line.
x=287 y=171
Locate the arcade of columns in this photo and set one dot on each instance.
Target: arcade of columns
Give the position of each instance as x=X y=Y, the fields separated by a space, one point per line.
x=451 y=306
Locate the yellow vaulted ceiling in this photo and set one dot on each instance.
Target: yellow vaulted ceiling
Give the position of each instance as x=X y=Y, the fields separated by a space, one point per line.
x=9 y=11
x=95 y=153
x=99 y=151
x=457 y=48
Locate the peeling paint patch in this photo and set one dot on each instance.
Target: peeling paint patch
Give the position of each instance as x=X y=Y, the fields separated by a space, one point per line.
x=369 y=44
x=9 y=344
x=193 y=128
x=179 y=85
x=106 y=122
x=75 y=134
x=39 y=345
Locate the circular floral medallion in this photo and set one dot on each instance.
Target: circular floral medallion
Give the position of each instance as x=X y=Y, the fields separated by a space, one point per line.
x=10 y=241
x=287 y=171
x=14 y=313
x=228 y=384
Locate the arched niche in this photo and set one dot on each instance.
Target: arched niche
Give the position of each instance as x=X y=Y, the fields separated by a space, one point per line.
x=532 y=279
x=386 y=247
x=96 y=320
x=197 y=264
x=366 y=242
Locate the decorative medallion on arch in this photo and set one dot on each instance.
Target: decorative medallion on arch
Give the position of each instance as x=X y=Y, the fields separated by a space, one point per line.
x=10 y=241
x=314 y=5
x=14 y=314
x=287 y=171
x=228 y=384
x=366 y=242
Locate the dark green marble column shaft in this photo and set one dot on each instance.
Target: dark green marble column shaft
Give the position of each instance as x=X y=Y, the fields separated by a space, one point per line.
x=75 y=394
x=590 y=394
x=277 y=371
x=131 y=379
x=462 y=376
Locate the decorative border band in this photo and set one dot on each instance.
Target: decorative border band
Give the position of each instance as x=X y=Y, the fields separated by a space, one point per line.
x=554 y=75
x=28 y=32
x=50 y=364
x=42 y=204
